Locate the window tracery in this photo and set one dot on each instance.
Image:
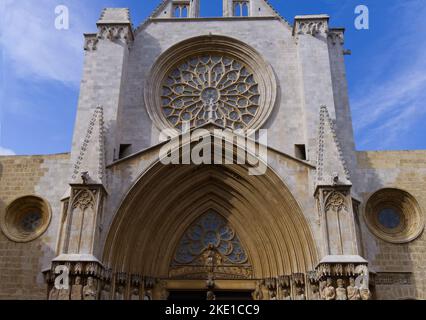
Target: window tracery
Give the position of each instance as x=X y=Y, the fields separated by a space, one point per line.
x=210 y=232
x=210 y=88
x=210 y=246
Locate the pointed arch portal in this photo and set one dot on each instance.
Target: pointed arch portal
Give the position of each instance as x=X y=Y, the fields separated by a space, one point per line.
x=153 y=225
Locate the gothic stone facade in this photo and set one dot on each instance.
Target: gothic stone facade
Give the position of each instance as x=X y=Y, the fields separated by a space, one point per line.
x=323 y=222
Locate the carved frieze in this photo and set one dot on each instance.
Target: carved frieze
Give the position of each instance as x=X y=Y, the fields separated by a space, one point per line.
x=339 y=281
x=115 y=33
x=311 y=27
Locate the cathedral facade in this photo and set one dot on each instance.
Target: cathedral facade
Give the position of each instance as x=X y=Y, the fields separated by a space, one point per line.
x=126 y=215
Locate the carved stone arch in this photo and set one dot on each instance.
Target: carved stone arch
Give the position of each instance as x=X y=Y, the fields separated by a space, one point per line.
x=166 y=199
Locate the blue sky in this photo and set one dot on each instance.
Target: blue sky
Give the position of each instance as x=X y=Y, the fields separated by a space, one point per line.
x=41 y=68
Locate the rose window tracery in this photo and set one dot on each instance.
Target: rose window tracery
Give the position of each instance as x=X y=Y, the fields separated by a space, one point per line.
x=209 y=236
x=210 y=88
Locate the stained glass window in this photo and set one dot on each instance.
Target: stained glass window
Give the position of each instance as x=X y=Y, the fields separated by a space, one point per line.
x=210 y=88
x=210 y=232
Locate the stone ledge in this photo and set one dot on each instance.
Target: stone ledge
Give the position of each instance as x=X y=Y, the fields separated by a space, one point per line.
x=343 y=259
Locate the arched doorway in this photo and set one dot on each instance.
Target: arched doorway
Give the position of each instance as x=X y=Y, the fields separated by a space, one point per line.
x=151 y=225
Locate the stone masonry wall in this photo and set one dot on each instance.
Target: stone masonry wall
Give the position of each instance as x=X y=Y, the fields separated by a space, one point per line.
x=404 y=265
x=21 y=263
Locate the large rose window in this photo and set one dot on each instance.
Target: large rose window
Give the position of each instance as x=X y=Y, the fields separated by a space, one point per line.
x=210 y=79
x=210 y=88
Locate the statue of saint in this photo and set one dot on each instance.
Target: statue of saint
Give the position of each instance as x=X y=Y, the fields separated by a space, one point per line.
x=148 y=295
x=211 y=296
x=286 y=294
x=89 y=290
x=54 y=293
x=64 y=294
x=365 y=294
x=315 y=292
x=105 y=293
x=300 y=295
x=362 y=282
x=77 y=289
x=258 y=293
x=353 y=291
x=341 y=290
x=164 y=293
x=135 y=294
x=329 y=293
x=119 y=294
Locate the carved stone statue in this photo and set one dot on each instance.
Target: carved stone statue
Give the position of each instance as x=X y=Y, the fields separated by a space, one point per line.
x=258 y=293
x=315 y=292
x=341 y=290
x=210 y=256
x=89 y=290
x=362 y=282
x=119 y=294
x=300 y=295
x=286 y=294
x=53 y=294
x=148 y=295
x=64 y=294
x=353 y=291
x=210 y=281
x=164 y=293
x=329 y=293
x=135 y=294
x=105 y=293
x=210 y=295
x=77 y=289
x=365 y=294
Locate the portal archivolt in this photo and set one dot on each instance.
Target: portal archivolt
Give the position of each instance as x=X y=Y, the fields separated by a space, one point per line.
x=168 y=199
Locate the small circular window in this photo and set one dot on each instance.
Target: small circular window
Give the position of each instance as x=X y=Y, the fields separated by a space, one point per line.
x=390 y=218
x=31 y=221
x=25 y=219
x=394 y=216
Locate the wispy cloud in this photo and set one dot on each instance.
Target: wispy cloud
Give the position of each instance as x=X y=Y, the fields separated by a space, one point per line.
x=33 y=45
x=394 y=97
x=6 y=152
